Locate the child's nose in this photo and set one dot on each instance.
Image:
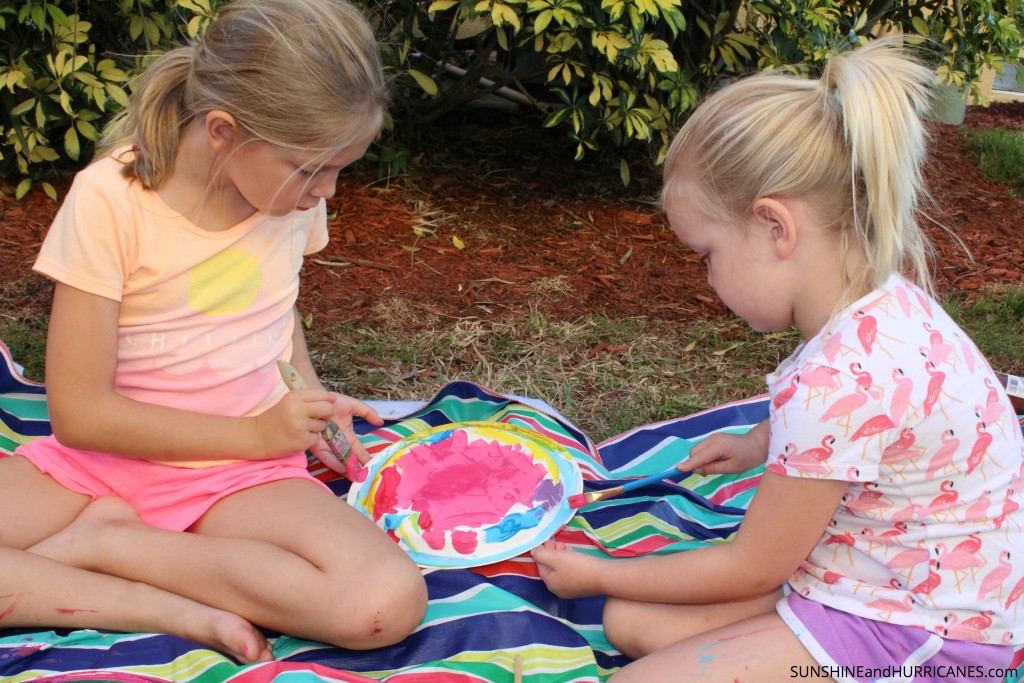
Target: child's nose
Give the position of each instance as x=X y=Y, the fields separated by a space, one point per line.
x=325 y=187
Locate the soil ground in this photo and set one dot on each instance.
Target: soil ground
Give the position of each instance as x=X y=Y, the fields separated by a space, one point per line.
x=494 y=218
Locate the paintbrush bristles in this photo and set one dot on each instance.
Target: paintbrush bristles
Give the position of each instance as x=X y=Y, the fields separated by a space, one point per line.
x=583 y=499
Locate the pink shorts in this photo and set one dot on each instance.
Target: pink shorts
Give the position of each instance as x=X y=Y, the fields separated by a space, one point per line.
x=165 y=496
x=852 y=649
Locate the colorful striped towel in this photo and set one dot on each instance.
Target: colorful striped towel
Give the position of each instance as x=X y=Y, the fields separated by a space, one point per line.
x=480 y=620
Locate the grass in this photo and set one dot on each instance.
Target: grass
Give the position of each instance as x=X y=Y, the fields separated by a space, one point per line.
x=1000 y=155
x=607 y=376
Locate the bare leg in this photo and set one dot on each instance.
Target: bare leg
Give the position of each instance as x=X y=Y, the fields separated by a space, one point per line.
x=760 y=649
x=41 y=592
x=287 y=555
x=627 y=624
x=38 y=591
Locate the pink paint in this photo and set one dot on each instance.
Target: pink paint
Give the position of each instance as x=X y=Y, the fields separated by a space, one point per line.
x=464 y=542
x=456 y=484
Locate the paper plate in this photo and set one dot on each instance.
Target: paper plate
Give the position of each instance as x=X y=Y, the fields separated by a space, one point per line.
x=469 y=493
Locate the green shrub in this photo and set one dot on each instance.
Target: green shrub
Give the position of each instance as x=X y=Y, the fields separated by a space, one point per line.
x=66 y=66
x=613 y=74
x=625 y=73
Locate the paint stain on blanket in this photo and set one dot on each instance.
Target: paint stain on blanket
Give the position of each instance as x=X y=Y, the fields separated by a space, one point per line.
x=458 y=486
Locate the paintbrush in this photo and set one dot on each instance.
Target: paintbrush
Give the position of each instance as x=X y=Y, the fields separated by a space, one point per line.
x=336 y=441
x=582 y=499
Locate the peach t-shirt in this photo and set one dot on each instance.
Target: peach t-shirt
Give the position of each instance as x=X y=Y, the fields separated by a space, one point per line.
x=204 y=315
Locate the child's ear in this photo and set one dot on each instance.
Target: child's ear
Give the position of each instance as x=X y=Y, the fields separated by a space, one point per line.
x=221 y=130
x=777 y=220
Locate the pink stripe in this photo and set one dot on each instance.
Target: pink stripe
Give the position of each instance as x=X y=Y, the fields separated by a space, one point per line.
x=725 y=494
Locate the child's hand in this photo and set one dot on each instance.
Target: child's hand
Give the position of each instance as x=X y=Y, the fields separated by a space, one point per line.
x=294 y=423
x=724 y=453
x=345 y=408
x=567 y=573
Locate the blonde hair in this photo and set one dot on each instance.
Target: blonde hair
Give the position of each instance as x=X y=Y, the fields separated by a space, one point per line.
x=301 y=74
x=851 y=143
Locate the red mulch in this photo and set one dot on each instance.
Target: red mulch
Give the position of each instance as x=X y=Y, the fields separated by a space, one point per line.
x=545 y=233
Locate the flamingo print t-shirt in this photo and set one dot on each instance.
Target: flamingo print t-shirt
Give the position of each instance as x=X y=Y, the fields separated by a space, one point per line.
x=204 y=316
x=896 y=399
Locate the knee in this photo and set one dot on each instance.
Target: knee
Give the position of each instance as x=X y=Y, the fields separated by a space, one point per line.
x=380 y=614
x=621 y=630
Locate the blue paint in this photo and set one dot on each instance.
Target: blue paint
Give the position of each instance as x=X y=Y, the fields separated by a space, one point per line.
x=392 y=521
x=513 y=524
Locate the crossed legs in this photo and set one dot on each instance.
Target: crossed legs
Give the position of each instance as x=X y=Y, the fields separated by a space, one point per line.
x=287 y=556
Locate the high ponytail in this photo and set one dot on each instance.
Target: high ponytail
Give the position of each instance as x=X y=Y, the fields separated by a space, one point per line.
x=851 y=144
x=883 y=94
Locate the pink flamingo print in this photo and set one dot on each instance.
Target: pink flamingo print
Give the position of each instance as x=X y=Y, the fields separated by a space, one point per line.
x=926 y=587
x=886 y=607
x=902 y=451
x=900 y=400
x=782 y=398
x=978 y=509
x=972 y=629
x=943 y=456
x=991 y=413
x=908 y=559
x=942 y=502
x=921 y=299
x=830 y=579
x=893 y=585
x=963 y=557
x=867 y=330
x=938 y=349
x=1009 y=507
x=865 y=380
x=812 y=460
x=1018 y=590
x=979 y=449
x=968 y=354
x=937 y=377
x=887 y=537
x=821 y=380
x=868 y=501
x=934 y=392
x=844 y=407
x=992 y=583
x=904 y=301
x=907 y=513
x=834 y=346
x=840 y=540
x=993 y=394
x=872 y=427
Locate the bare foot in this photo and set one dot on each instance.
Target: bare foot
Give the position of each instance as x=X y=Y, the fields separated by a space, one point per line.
x=77 y=544
x=225 y=632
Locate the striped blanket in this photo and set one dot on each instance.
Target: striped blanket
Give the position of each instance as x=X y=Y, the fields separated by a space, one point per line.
x=482 y=624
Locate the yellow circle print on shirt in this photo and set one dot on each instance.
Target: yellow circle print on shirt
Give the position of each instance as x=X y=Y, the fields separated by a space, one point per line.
x=225 y=284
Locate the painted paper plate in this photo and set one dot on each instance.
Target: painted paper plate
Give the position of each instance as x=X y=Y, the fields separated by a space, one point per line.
x=469 y=493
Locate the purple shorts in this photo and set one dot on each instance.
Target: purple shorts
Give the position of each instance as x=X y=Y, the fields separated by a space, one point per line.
x=165 y=496
x=852 y=649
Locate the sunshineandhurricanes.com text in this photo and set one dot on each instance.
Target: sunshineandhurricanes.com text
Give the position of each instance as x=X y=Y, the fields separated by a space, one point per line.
x=909 y=672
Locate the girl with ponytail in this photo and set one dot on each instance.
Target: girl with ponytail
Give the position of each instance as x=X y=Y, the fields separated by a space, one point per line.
x=174 y=494
x=880 y=542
